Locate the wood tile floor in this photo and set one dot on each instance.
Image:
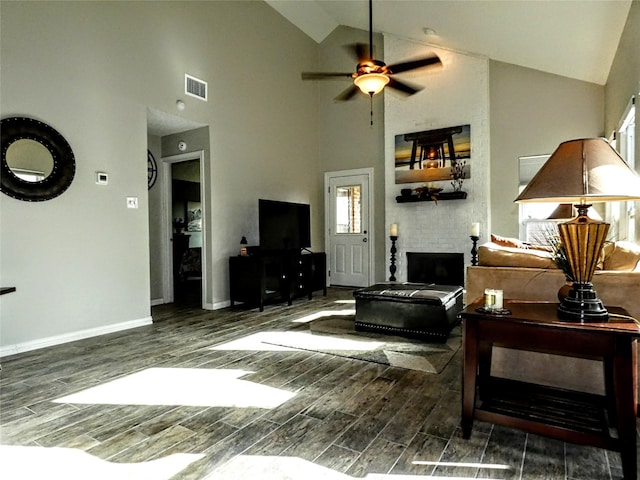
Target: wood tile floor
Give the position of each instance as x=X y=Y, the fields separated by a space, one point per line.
x=329 y=417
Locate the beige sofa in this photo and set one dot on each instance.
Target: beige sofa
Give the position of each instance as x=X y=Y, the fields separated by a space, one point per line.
x=527 y=274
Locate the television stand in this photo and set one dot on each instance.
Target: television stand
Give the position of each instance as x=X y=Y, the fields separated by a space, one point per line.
x=276 y=276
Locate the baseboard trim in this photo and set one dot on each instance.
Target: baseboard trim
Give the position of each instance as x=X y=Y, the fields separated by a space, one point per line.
x=205 y=306
x=219 y=305
x=6 y=350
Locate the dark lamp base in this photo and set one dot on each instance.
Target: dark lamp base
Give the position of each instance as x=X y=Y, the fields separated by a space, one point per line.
x=583 y=305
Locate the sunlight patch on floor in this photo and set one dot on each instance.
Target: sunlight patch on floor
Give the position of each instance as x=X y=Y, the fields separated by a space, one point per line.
x=310 y=341
x=182 y=386
x=273 y=468
x=73 y=464
x=382 y=476
x=488 y=466
x=324 y=313
x=294 y=468
x=268 y=341
x=257 y=342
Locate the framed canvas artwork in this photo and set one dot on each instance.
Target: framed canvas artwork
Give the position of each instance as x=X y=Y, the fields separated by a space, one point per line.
x=442 y=154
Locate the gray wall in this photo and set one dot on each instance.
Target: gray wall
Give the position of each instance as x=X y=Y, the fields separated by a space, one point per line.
x=624 y=77
x=624 y=83
x=531 y=112
x=156 y=261
x=347 y=138
x=91 y=69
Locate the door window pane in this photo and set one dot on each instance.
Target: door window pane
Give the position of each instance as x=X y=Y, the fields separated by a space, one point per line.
x=348 y=209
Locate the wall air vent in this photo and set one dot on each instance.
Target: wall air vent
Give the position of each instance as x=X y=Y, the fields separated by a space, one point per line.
x=195 y=87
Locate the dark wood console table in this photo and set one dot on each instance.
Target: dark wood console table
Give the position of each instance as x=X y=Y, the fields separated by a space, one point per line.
x=276 y=276
x=570 y=416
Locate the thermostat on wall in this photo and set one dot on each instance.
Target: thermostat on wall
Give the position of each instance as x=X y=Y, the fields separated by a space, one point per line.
x=102 y=178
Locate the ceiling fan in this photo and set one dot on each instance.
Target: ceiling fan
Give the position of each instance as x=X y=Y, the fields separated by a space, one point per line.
x=371 y=75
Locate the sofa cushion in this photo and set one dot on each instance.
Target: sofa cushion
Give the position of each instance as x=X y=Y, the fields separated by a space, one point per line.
x=494 y=255
x=622 y=256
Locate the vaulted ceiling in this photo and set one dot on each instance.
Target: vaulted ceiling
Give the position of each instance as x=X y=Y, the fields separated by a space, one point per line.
x=572 y=38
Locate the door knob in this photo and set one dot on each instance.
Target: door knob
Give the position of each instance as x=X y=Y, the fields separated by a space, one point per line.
x=364 y=240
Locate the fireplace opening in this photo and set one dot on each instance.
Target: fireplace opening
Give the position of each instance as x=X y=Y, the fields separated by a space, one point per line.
x=438 y=268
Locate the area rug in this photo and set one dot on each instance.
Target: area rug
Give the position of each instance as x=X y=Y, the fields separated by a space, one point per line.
x=336 y=335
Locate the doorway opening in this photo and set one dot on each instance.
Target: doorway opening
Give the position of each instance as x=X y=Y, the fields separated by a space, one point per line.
x=164 y=131
x=186 y=221
x=184 y=228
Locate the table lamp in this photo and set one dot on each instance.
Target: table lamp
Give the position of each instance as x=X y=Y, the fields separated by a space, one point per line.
x=565 y=211
x=583 y=172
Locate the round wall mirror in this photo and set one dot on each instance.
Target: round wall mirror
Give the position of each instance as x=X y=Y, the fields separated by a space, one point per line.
x=29 y=160
x=37 y=162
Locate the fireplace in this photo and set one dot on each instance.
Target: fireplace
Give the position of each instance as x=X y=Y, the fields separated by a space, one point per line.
x=438 y=268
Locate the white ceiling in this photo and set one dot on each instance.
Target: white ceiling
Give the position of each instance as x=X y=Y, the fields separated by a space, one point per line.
x=160 y=123
x=572 y=38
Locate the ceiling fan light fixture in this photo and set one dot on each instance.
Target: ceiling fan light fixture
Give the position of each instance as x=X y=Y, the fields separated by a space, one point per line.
x=371 y=83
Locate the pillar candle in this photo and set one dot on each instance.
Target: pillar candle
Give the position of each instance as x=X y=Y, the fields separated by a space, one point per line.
x=393 y=231
x=499 y=305
x=475 y=229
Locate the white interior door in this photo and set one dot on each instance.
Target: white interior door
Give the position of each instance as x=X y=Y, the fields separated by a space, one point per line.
x=348 y=229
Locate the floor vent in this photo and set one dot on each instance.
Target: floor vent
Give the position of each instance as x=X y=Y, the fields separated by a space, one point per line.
x=195 y=87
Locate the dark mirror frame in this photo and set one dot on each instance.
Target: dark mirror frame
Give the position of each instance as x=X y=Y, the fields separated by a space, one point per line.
x=152 y=169
x=13 y=129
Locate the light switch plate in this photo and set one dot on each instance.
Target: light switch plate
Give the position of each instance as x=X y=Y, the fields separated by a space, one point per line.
x=132 y=202
x=102 y=178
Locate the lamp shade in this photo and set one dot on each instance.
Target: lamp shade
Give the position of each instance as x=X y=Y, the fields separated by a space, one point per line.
x=371 y=83
x=583 y=171
x=565 y=211
x=562 y=212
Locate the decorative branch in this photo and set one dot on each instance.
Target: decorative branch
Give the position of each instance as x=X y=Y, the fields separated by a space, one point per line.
x=457 y=174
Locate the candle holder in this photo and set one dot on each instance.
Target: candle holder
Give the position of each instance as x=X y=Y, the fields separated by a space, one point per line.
x=474 y=250
x=392 y=267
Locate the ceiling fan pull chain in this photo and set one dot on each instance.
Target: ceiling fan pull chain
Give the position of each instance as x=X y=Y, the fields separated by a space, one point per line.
x=371 y=104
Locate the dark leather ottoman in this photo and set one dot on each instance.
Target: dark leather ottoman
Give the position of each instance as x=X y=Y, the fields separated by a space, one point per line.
x=409 y=309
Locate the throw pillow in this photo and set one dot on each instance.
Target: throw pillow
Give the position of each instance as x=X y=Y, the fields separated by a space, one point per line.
x=507 y=242
x=517 y=243
x=624 y=256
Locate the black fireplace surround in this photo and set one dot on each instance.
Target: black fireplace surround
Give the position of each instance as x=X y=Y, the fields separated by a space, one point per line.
x=436 y=268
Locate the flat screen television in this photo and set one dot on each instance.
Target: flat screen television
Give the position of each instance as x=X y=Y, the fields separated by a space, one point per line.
x=284 y=225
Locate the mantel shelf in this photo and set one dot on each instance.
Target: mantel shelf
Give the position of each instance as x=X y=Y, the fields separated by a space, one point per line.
x=441 y=196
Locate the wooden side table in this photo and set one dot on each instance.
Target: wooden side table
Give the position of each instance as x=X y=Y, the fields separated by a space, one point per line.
x=570 y=416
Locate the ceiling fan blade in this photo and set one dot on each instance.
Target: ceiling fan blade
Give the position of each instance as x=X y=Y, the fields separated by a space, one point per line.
x=324 y=75
x=412 y=65
x=359 y=50
x=403 y=87
x=347 y=94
